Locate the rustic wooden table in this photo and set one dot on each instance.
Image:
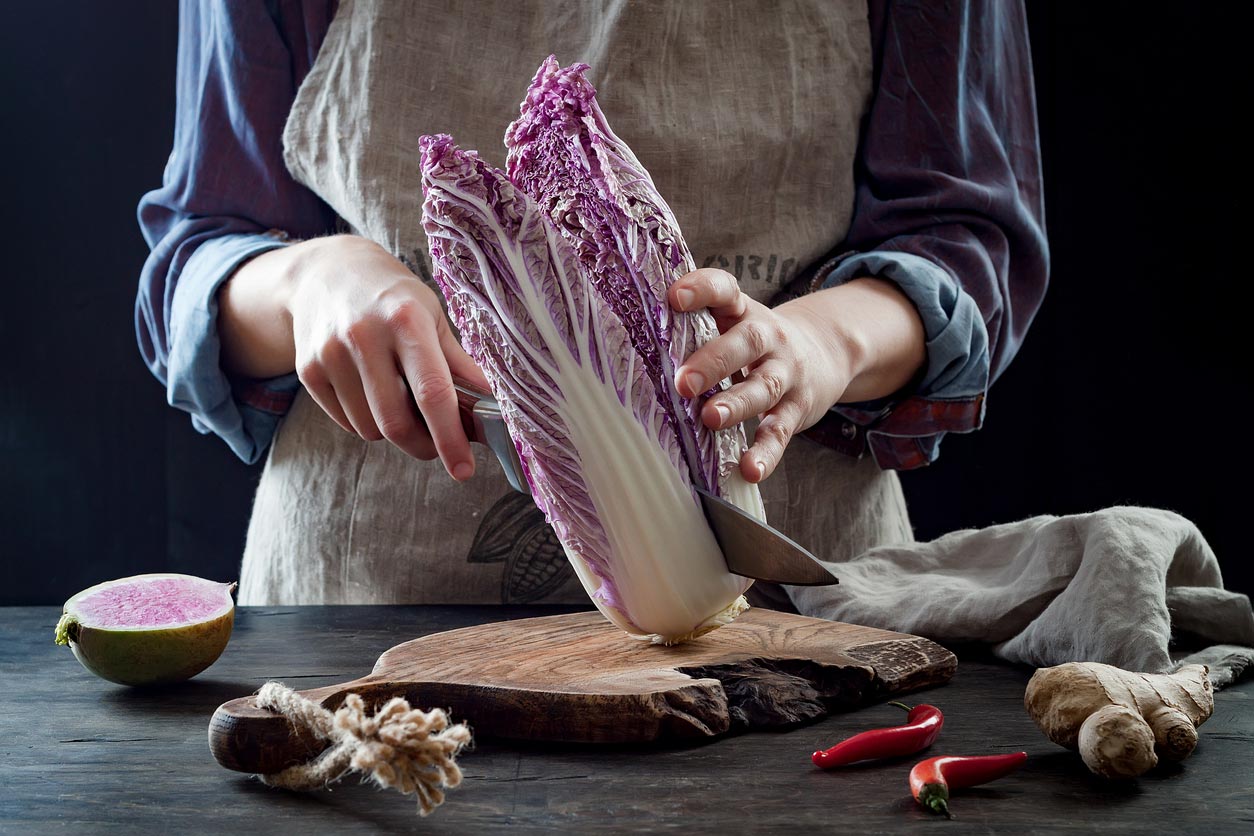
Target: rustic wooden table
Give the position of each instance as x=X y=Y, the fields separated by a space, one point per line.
x=80 y=753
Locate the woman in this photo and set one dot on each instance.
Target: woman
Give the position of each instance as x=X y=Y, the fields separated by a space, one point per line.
x=860 y=183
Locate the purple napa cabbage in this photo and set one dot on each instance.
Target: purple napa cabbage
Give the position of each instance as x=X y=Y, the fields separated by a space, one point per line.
x=564 y=155
x=556 y=278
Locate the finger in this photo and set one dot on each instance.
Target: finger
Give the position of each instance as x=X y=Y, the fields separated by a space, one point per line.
x=431 y=383
x=392 y=407
x=314 y=378
x=345 y=378
x=773 y=435
x=738 y=348
x=709 y=288
x=762 y=389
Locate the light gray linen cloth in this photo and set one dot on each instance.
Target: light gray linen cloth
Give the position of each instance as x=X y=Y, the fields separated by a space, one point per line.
x=1114 y=586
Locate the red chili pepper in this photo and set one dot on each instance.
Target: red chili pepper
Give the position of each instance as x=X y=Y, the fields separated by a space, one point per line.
x=922 y=725
x=932 y=779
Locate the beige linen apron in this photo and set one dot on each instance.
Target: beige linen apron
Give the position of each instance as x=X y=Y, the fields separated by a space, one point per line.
x=745 y=113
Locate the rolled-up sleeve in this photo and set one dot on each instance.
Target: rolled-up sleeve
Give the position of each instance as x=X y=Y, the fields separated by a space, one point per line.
x=225 y=197
x=949 y=207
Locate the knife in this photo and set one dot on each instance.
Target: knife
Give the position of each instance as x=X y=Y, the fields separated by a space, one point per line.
x=752 y=548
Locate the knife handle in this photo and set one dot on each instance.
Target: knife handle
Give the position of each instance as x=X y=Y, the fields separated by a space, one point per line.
x=468 y=396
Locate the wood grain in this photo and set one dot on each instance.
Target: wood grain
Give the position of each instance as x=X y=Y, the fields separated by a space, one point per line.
x=576 y=678
x=83 y=755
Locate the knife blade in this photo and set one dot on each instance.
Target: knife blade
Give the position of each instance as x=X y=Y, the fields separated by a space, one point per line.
x=755 y=550
x=752 y=548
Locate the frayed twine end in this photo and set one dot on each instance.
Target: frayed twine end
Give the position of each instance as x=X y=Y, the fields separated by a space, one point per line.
x=398 y=747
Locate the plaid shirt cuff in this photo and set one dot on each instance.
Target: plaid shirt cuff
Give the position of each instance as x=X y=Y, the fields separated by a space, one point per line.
x=905 y=436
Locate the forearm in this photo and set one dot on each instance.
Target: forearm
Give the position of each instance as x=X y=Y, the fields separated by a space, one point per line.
x=871 y=332
x=949 y=173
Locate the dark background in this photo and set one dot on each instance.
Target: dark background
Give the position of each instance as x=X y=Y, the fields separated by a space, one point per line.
x=1132 y=387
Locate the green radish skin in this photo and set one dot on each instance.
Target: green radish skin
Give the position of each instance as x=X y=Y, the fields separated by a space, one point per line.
x=139 y=656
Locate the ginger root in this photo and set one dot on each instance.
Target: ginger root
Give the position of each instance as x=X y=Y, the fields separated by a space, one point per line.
x=1121 y=722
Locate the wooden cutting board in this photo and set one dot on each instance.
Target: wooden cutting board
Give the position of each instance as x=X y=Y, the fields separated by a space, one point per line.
x=578 y=678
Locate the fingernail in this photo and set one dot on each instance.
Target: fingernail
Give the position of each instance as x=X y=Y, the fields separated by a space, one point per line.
x=696 y=383
x=761 y=468
x=724 y=413
x=684 y=298
x=463 y=471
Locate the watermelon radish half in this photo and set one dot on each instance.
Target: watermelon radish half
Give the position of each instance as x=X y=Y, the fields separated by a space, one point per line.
x=148 y=629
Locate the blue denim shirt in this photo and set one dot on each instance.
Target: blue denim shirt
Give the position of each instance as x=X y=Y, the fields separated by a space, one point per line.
x=948 y=206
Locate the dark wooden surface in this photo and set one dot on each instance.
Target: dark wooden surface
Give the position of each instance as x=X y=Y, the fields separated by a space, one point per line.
x=577 y=678
x=81 y=754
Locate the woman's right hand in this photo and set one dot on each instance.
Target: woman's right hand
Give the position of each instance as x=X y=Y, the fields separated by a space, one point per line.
x=369 y=341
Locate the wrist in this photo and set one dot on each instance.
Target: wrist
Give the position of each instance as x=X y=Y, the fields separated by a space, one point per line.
x=884 y=320
x=873 y=335
x=256 y=307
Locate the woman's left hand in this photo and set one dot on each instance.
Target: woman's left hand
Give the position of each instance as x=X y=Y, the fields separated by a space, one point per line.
x=799 y=358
